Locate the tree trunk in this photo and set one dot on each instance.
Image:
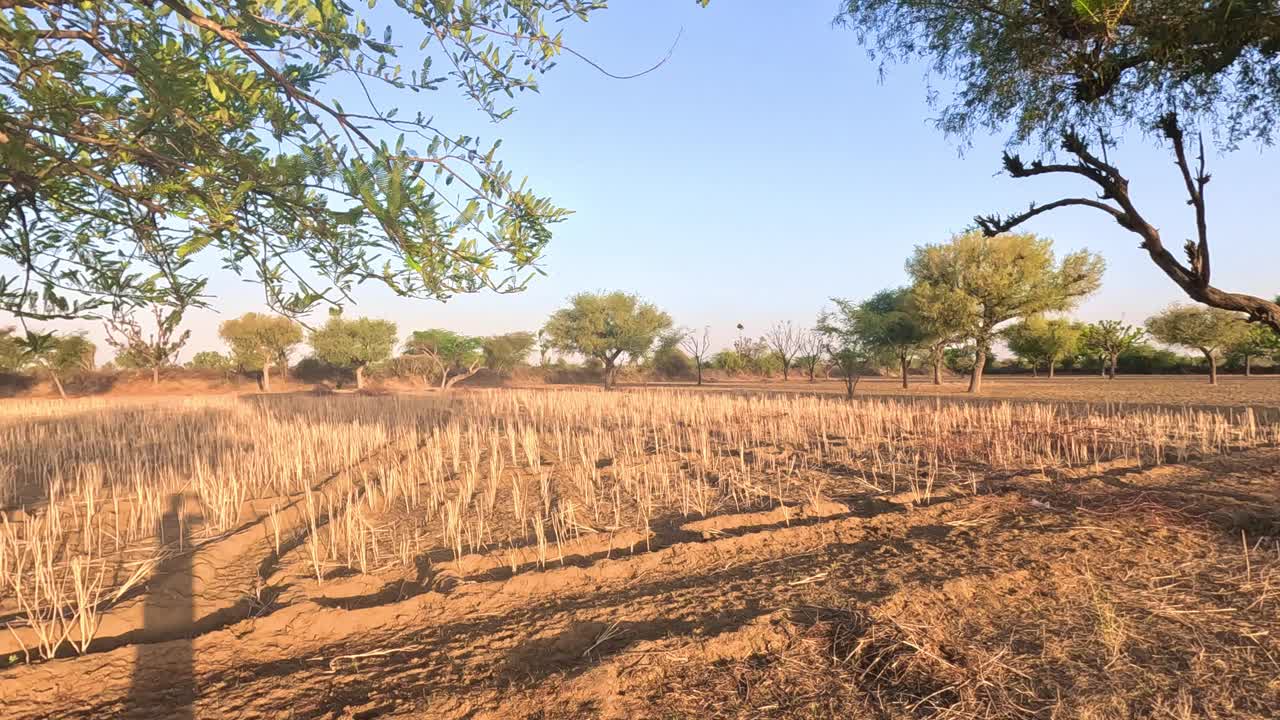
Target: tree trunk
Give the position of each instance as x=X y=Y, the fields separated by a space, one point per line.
x=57 y=383
x=1115 y=365
x=1050 y=368
x=155 y=376
x=266 y=377
x=1248 y=366
x=699 y=362
x=937 y=369
x=786 y=371
x=1213 y=366
x=609 y=372
x=905 y=361
x=850 y=384
x=359 y=377
x=1102 y=366
x=979 y=364
x=1035 y=370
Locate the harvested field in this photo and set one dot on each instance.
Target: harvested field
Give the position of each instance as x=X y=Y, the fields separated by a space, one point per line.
x=651 y=554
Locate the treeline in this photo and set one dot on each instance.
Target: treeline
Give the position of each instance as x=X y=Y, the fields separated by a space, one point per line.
x=967 y=296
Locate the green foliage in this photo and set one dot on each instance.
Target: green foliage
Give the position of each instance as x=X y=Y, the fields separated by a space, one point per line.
x=1042 y=341
x=11 y=356
x=606 y=326
x=845 y=342
x=1208 y=330
x=1257 y=341
x=354 y=343
x=889 y=323
x=988 y=281
x=446 y=346
x=259 y=341
x=141 y=142
x=138 y=350
x=669 y=361
x=210 y=360
x=504 y=353
x=1108 y=338
x=1045 y=66
x=59 y=355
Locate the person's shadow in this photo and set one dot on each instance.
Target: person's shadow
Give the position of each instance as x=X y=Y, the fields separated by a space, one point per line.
x=163 y=683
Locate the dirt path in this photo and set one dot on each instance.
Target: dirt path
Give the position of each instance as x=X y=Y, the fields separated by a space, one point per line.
x=612 y=634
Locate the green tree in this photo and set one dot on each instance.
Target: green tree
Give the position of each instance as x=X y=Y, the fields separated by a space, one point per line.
x=147 y=351
x=504 y=353
x=1208 y=330
x=606 y=326
x=669 y=361
x=1048 y=68
x=260 y=342
x=785 y=341
x=11 y=356
x=1108 y=340
x=210 y=360
x=354 y=344
x=846 y=344
x=988 y=281
x=891 y=326
x=137 y=136
x=1043 y=341
x=57 y=355
x=1257 y=342
x=454 y=357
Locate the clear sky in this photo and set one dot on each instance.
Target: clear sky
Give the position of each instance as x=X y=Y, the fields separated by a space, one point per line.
x=767 y=167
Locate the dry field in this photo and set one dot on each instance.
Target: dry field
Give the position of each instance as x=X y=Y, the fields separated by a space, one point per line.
x=665 y=554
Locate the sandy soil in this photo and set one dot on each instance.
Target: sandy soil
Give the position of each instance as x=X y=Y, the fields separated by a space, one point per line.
x=1114 y=593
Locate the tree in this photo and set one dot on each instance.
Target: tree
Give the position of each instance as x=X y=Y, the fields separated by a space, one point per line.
x=544 y=347
x=785 y=340
x=606 y=327
x=1107 y=339
x=57 y=355
x=210 y=360
x=354 y=344
x=1257 y=341
x=812 y=350
x=138 y=135
x=455 y=357
x=11 y=355
x=990 y=280
x=148 y=352
x=846 y=344
x=504 y=353
x=260 y=342
x=1053 y=67
x=1047 y=66
x=890 y=326
x=1043 y=341
x=1208 y=330
x=943 y=324
x=697 y=346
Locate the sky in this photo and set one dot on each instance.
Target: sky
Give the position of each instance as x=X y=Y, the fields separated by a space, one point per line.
x=766 y=167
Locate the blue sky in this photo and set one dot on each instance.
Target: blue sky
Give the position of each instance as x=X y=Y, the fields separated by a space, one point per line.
x=767 y=167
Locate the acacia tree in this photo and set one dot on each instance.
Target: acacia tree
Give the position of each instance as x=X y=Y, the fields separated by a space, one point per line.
x=504 y=353
x=1258 y=341
x=1107 y=339
x=991 y=280
x=785 y=340
x=697 y=346
x=943 y=324
x=354 y=344
x=606 y=326
x=890 y=325
x=1043 y=341
x=1208 y=330
x=1051 y=67
x=260 y=342
x=56 y=355
x=150 y=351
x=138 y=136
x=845 y=343
x=456 y=357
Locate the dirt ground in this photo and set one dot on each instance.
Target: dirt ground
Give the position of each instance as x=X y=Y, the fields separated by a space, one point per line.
x=1113 y=592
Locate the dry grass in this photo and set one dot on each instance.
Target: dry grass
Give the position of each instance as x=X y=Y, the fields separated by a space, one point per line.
x=88 y=486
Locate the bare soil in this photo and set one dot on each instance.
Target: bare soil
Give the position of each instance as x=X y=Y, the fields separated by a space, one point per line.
x=1114 y=592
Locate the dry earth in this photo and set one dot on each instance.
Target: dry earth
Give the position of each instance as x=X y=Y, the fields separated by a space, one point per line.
x=1115 y=591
